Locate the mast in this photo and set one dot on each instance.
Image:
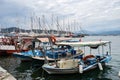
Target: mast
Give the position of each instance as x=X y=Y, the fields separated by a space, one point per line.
x=74 y=26
x=39 y=23
x=63 y=25
x=31 y=24
x=43 y=26
x=0 y=27
x=36 y=24
x=57 y=26
x=52 y=24
x=69 y=28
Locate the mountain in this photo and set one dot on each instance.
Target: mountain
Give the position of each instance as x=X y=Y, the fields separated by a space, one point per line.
x=113 y=32
x=11 y=29
x=15 y=29
x=84 y=32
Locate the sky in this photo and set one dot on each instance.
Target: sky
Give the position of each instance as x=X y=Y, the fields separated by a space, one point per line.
x=91 y=15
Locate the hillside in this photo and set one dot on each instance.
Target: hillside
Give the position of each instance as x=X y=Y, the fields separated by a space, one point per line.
x=85 y=32
x=114 y=32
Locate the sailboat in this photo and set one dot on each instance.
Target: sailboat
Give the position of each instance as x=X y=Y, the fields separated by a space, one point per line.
x=85 y=63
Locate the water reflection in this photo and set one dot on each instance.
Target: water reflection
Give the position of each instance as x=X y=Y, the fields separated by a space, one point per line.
x=91 y=75
x=33 y=71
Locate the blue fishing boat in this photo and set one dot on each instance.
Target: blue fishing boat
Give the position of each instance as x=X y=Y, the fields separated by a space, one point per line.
x=51 y=50
x=57 y=52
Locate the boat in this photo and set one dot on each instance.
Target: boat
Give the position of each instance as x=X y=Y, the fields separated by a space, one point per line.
x=56 y=52
x=12 y=44
x=85 y=63
x=51 y=50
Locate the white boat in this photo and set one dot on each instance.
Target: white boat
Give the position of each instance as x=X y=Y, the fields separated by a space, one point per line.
x=86 y=63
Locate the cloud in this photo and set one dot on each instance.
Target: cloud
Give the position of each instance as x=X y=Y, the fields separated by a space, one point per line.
x=88 y=13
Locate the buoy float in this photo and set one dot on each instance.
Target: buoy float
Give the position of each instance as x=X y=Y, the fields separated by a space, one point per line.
x=100 y=66
x=80 y=69
x=119 y=73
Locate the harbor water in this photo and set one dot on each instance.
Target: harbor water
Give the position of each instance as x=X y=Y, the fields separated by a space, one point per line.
x=33 y=70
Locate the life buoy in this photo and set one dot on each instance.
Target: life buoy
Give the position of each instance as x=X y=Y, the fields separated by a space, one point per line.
x=53 y=39
x=88 y=56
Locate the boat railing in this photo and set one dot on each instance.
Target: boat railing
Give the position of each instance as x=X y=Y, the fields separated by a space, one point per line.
x=7 y=47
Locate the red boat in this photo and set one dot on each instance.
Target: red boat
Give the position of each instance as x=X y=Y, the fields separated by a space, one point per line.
x=10 y=45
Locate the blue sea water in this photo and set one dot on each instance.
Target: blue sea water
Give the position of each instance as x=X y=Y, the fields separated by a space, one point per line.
x=33 y=71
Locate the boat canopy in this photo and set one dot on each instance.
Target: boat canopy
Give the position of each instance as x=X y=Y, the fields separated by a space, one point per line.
x=82 y=44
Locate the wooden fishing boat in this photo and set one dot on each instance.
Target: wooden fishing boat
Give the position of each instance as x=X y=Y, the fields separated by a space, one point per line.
x=57 y=52
x=51 y=54
x=80 y=65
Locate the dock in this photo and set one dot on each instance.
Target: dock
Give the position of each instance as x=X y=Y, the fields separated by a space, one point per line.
x=4 y=75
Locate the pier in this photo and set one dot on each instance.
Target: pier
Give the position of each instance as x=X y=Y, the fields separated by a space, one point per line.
x=4 y=75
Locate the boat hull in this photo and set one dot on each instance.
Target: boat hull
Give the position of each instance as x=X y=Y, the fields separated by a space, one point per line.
x=60 y=71
x=7 y=52
x=51 y=69
x=22 y=57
